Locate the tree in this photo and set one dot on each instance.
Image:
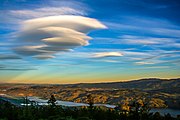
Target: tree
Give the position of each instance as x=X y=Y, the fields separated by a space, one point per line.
x=26 y=101
x=52 y=101
x=90 y=101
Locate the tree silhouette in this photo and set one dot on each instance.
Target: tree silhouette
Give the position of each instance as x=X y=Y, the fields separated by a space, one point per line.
x=90 y=101
x=52 y=101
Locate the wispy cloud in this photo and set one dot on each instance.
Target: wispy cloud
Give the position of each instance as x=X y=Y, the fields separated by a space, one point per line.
x=9 y=57
x=105 y=60
x=49 y=8
x=147 y=26
x=46 y=11
x=2 y=66
x=107 y=54
x=144 y=63
x=17 y=69
x=16 y=66
x=155 y=67
x=43 y=57
x=144 y=40
x=150 y=62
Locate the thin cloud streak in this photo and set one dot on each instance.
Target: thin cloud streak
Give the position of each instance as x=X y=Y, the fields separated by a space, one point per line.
x=16 y=69
x=107 y=54
x=9 y=57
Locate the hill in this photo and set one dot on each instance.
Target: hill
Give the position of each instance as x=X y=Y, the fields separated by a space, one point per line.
x=143 y=84
x=160 y=92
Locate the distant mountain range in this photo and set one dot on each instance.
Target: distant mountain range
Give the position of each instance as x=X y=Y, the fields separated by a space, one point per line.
x=140 y=84
x=161 y=92
x=144 y=84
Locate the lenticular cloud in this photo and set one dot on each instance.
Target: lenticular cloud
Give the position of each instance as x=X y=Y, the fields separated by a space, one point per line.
x=49 y=35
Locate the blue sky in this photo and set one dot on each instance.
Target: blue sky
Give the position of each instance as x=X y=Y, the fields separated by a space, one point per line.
x=72 y=41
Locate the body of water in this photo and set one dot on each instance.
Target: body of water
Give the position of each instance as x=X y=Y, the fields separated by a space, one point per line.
x=65 y=103
x=163 y=111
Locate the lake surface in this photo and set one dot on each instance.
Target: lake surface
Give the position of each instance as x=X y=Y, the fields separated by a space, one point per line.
x=65 y=103
x=163 y=111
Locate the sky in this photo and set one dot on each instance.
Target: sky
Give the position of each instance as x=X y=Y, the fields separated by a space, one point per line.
x=85 y=41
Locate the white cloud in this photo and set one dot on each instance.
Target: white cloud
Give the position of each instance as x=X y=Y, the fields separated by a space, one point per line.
x=144 y=63
x=141 y=40
x=107 y=54
x=50 y=35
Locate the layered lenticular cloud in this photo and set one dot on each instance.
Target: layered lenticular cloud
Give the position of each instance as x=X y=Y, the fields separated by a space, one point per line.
x=43 y=37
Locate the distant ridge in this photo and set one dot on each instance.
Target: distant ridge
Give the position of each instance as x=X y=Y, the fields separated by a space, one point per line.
x=144 y=84
x=148 y=83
